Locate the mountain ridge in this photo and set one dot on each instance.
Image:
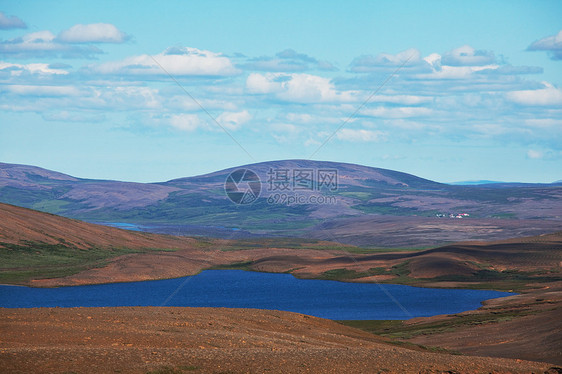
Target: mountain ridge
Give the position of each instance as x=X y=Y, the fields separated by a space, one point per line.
x=373 y=201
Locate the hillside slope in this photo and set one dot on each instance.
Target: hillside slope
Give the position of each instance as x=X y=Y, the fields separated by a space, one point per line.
x=19 y=225
x=39 y=245
x=212 y=340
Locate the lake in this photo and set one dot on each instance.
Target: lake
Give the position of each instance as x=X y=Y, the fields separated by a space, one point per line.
x=243 y=289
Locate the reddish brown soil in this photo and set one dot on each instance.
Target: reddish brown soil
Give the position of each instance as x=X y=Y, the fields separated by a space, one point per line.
x=463 y=259
x=535 y=336
x=211 y=340
x=539 y=253
x=21 y=224
x=45 y=340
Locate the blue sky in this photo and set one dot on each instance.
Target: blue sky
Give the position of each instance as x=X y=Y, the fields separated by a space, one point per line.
x=102 y=89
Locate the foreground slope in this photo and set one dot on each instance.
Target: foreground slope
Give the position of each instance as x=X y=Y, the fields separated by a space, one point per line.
x=525 y=326
x=212 y=340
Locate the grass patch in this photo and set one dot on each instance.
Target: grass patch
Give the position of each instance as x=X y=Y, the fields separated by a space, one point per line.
x=363 y=196
x=397 y=329
x=400 y=271
x=504 y=215
x=173 y=370
x=244 y=265
x=342 y=274
x=493 y=276
x=36 y=260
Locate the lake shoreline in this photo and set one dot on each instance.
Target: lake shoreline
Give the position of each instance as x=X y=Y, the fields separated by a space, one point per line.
x=243 y=289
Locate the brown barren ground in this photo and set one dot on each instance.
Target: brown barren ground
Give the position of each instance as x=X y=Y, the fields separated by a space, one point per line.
x=20 y=224
x=211 y=340
x=526 y=326
x=143 y=339
x=189 y=256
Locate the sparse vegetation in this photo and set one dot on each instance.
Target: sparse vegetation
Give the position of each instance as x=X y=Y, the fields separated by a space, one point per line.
x=173 y=370
x=35 y=260
x=397 y=329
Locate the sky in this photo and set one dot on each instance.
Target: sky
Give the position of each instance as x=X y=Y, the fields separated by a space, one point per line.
x=149 y=91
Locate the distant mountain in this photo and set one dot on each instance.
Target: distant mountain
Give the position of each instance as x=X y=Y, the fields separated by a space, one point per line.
x=294 y=198
x=349 y=174
x=497 y=184
x=474 y=183
x=54 y=192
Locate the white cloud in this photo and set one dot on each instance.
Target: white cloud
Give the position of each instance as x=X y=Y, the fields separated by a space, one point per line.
x=176 y=61
x=369 y=63
x=303 y=88
x=410 y=56
x=182 y=102
x=311 y=142
x=401 y=99
x=406 y=124
x=312 y=88
x=287 y=61
x=552 y=44
x=66 y=44
x=44 y=43
x=490 y=129
x=32 y=90
x=434 y=60
x=544 y=122
x=547 y=96
x=37 y=68
x=263 y=84
x=468 y=56
x=361 y=135
x=11 y=22
x=512 y=70
x=186 y=122
x=131 y=97
x=534 y=154
x=286 y=128
x=39 y=37
x=65 y=116
x=285 y=132
x=300 y=117
x=233 y=120
x=400 y=112
x=456 y=72
x=92 y=33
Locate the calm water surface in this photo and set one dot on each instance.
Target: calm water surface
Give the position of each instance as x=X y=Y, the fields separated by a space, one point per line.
x=242 y=289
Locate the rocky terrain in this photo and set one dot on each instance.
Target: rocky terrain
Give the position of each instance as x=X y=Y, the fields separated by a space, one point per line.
x=213 y=340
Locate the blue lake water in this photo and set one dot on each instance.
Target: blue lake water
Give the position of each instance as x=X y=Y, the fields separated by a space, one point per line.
x=242 y=289
x=122 y=225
